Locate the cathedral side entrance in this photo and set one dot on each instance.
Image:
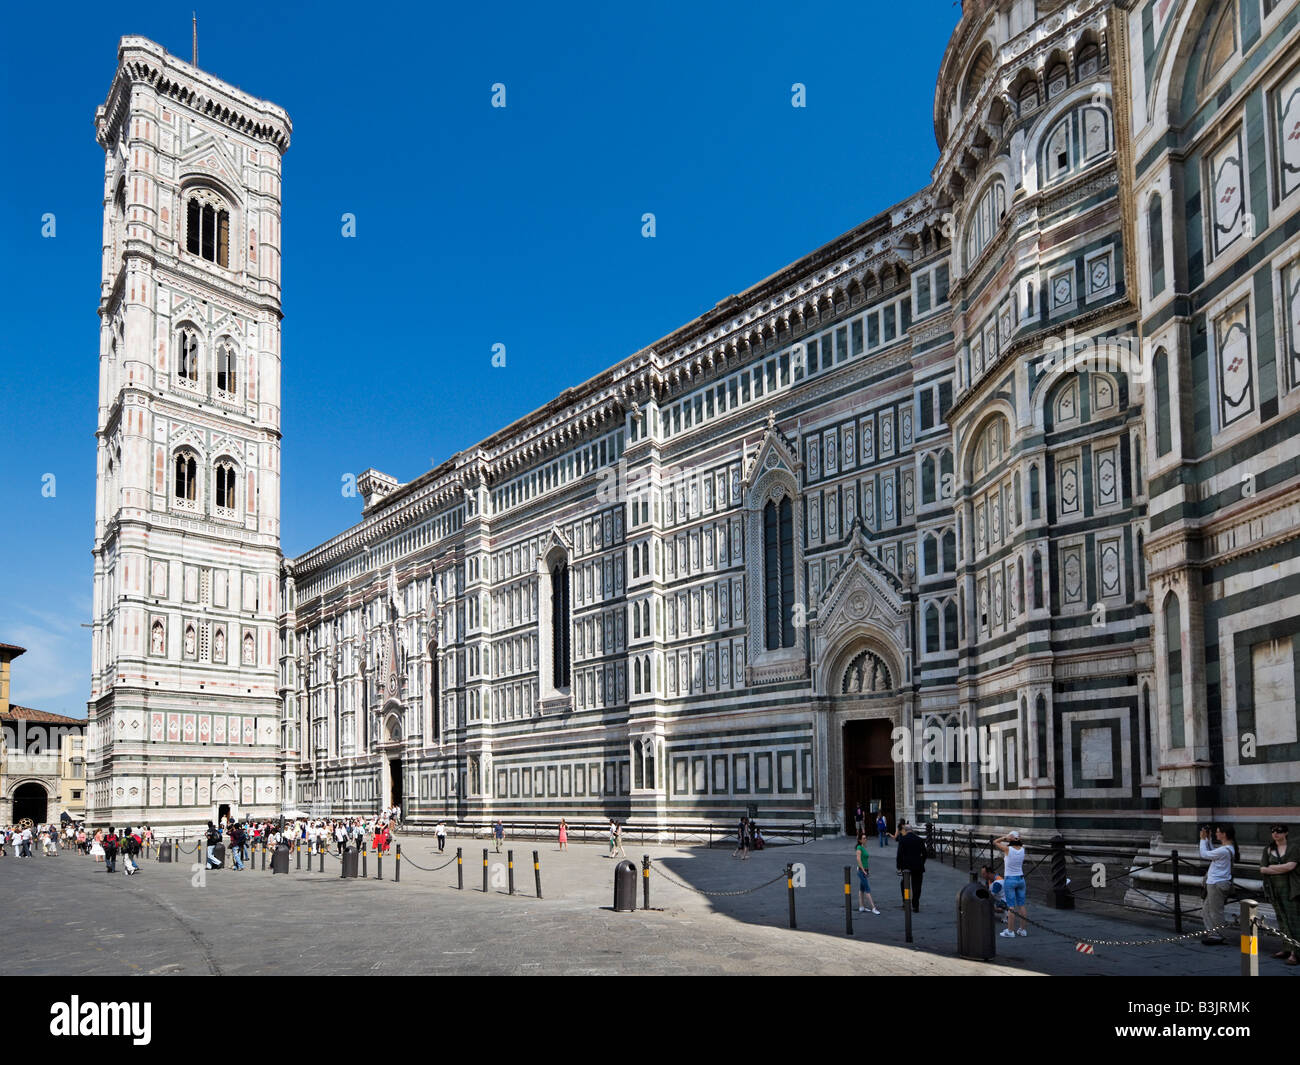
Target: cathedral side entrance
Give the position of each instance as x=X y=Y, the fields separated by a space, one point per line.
x=868 y=773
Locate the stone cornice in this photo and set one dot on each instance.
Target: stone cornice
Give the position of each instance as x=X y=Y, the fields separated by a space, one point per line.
x=141 y=60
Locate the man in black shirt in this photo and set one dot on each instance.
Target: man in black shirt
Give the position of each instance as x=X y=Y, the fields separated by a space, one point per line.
x=911 y=856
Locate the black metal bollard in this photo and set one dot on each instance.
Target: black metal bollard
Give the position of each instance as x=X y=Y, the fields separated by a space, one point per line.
x=460 y=871
x=298 y=853
x=397 y=869
x=907 y=905
x=789 y=884
x=379 y=865
x=263 y=857
x=364 y=874
x=848 y=900
x=510 y=863
x=485 y=861
x=970 y=851
x=1178 y=899
x=645 y=881
x=537 y=873
x=1058 y=895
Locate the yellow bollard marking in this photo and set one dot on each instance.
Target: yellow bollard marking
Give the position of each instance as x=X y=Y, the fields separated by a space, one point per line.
x=1250 y=944
x=907 y=894
x=846 y=889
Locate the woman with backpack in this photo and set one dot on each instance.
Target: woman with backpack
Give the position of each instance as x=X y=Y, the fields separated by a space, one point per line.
x=110 y=851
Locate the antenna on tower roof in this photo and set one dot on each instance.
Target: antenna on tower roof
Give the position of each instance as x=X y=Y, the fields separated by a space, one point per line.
x=195 y=16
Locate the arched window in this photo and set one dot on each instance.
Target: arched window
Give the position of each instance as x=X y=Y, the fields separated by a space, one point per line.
x=1040 y=727
x=1164 y=426
x=560 y=624
x=950 y=626
x=1088 y=61
x=207 y=228
x=949 y=551
x=1078 y=139
x=226 y=367
x=1058 y=79
x=1222 y=44
x=930 y=551
x=976 y=74
x=225 y=487
x=927 y=479
x=778 y=584
x=931 y=628
x=1156 y=244
x=185 y=486
x=985 y=219
x=1146 y=729
x=1036 y=569
x=1020 y=584
x=1033 y=492
x=1174 y=660
x=187 y=358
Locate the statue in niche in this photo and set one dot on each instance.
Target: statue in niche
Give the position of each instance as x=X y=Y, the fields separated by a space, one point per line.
x=158 y=639
x=219 y=645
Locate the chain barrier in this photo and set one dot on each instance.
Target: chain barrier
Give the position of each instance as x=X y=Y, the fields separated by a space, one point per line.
x=1076 y=939
x=425 y=869
x=1263 y=927
x=715 y=894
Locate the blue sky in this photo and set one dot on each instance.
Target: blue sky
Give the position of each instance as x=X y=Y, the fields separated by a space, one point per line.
x=475 y=225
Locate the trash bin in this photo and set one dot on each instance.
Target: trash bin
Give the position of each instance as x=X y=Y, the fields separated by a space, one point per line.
x=280 y=859
x=976 y=924
x=165 y=851
x=625 y=886
x=351 y=860
x=218 y=857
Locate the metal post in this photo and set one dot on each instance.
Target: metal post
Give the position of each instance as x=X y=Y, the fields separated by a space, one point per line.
x=848 y=900
x=789 y=883
x=343 y=869
x=379 y=864
x=907 y=905
x=321 y=852
x=460 y=870
x=1178 y=899
x=264 y=857
x=1249 y=938
x=537 y=873
x=485 y=861
x=298 y=854
x=645 y=881
x=1058 y=895
x=510 y=864
x=970 y=851
x=397 y=869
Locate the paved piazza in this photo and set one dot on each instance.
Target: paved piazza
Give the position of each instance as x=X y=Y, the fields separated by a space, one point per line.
x=67 y=916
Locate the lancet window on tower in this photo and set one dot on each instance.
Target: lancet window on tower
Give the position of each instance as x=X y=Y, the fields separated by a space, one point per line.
x=207 y=229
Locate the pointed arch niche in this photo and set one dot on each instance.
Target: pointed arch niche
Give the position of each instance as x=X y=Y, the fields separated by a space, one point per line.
x=774 y=540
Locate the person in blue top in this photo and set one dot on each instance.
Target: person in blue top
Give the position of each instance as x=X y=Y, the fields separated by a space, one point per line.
x=499 y=831
x=882 y=830
x=1218 y=879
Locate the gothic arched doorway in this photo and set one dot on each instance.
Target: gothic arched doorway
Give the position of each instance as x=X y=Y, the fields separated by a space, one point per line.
x=31 y=800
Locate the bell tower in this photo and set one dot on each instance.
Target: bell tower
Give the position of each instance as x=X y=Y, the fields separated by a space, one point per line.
x=184 y=676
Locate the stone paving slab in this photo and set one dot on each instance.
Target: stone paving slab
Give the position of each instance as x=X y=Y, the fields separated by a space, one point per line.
x=66 y=916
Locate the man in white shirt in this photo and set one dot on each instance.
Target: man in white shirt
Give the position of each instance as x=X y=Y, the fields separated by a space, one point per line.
x=441 y=832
